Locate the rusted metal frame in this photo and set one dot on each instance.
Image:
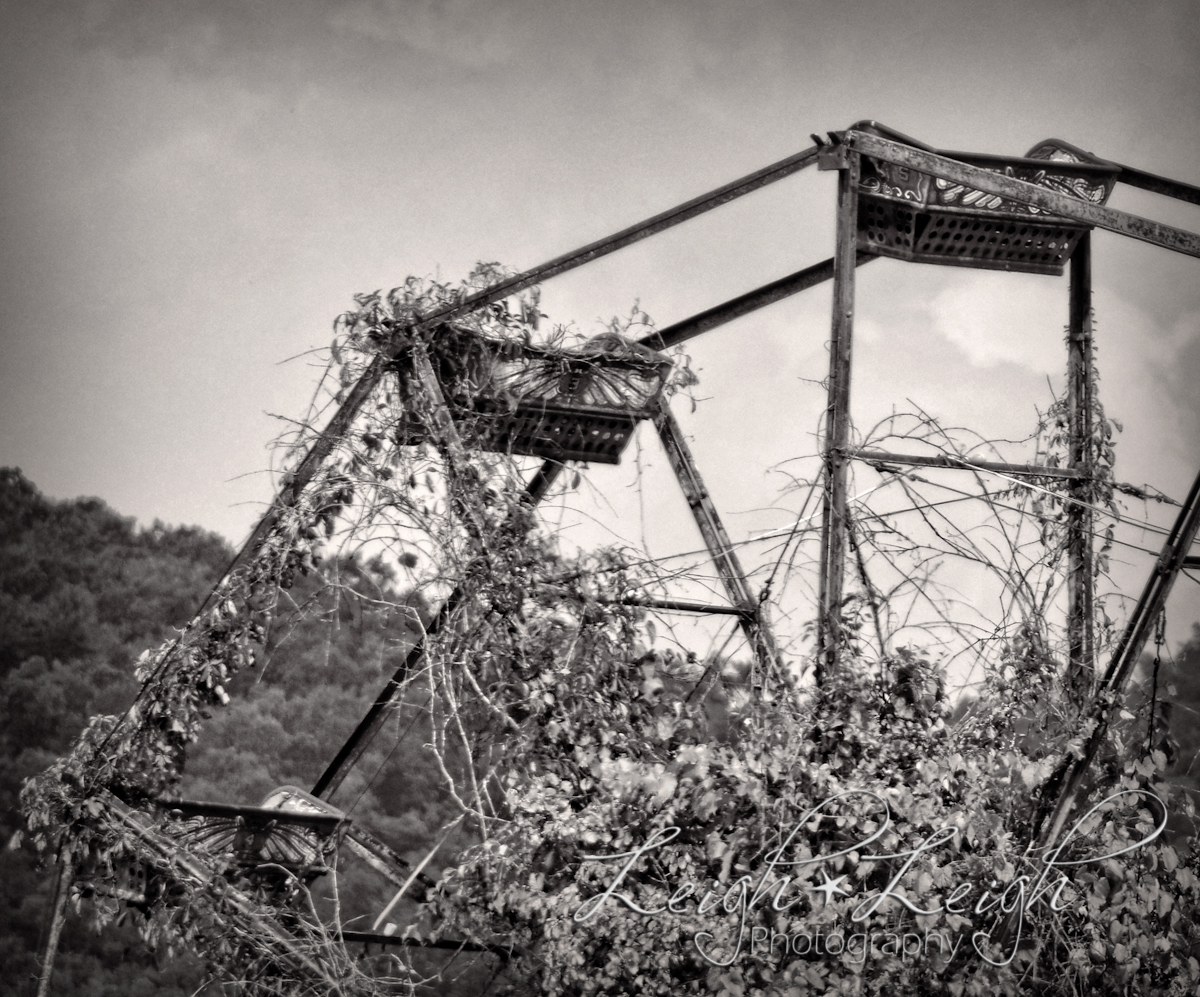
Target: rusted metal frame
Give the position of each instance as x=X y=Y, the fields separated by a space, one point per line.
x=297 y=480
x=966 y=464
x=180 y=860
x=744 y=304
x=1080 y=381
x=751 y=616
x=1158 y=185
x=339 y=424
x=679 y=606
x=837 y=425
x=1052 y=202
x=1060 y=790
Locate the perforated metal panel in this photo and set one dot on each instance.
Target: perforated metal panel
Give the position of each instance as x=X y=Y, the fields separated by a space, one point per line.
x=993 y=242
x=554 y=432
x=913 y=216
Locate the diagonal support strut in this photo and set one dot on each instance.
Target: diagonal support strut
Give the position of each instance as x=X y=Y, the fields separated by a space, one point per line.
x=1063 y=786
x=751 y=616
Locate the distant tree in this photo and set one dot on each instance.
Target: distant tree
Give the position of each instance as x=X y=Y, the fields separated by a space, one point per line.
x=82 y=591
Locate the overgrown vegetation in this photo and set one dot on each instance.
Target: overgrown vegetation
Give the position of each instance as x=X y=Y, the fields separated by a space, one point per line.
x=560 y=738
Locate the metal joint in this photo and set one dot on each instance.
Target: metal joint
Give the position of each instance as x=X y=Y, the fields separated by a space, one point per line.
x=835 y=156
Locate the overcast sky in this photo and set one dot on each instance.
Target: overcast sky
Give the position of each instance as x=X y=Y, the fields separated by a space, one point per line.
x=192 y=191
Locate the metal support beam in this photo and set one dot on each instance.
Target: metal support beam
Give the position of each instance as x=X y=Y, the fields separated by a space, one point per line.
x=542 y=481
x=1158 y=185
x=737 y=588
x=1080 y=382
x=385 y=703
x=1121 y=222
x=626 y=237
x=679 y=606
x=744 y=304
x=1060 y=790
x=837 y=424
x=965 y=464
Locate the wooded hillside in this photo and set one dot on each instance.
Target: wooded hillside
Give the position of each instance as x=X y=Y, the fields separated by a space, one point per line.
x=83 y=591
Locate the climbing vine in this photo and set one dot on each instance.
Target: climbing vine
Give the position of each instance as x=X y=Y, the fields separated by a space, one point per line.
x=641 y=822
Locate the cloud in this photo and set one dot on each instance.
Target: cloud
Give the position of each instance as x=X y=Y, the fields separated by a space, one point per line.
x=1148 y=369
x=999 y=318
x=473 y=33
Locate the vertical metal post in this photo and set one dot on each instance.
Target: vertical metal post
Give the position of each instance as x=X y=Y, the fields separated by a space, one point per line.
x=837 y=423
x=1080 y=385
x=58 y=917
x=737 y=588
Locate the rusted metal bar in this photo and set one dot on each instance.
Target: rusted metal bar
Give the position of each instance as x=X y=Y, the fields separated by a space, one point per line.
x=966 y=464
x=1158 y=185
x=541 y=482
x=1173 y=557
x=1121 y=222
x=1060 y=790
x=442 y=427
x=444 y=433
x=716 y=539
x=679 y=606
x=837 y=425
x=358 y=742
x=1080 y=582
x=744 y=304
